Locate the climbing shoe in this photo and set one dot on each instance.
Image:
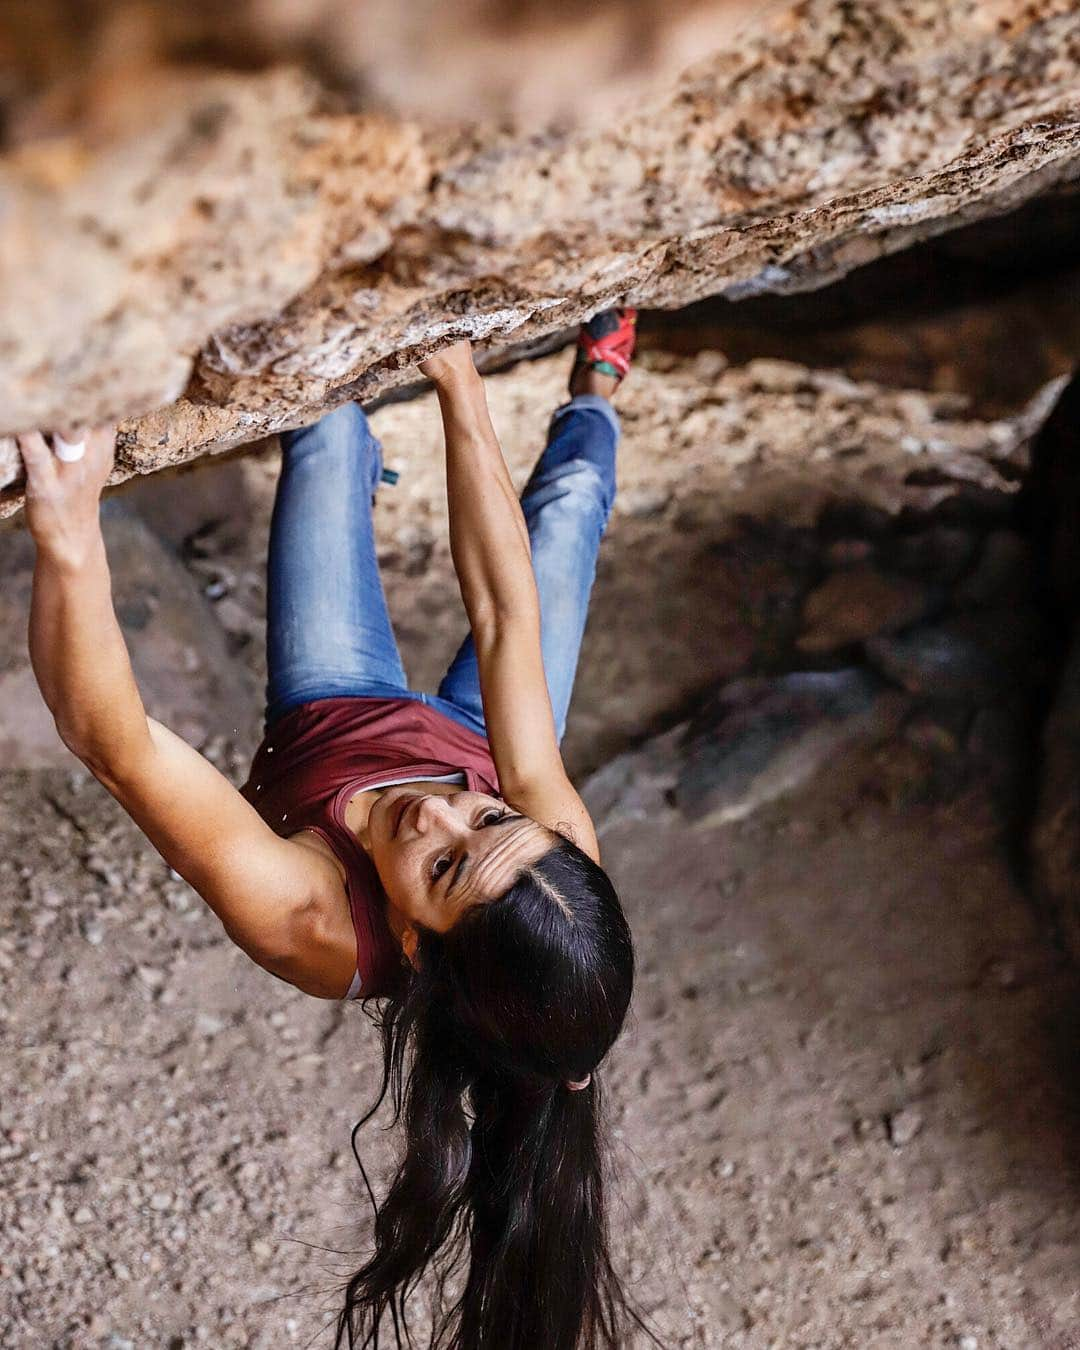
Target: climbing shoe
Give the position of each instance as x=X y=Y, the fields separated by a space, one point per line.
x=606 y=342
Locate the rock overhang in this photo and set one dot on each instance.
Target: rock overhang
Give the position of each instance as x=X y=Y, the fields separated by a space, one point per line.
x=257 y=251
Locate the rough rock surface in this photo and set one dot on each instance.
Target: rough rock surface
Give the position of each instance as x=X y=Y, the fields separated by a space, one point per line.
x=759 y=739
x=990 y=310
x=857 y=603
x=263 y=253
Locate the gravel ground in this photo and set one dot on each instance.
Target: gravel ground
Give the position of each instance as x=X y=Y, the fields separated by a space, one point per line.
x=845 y=1112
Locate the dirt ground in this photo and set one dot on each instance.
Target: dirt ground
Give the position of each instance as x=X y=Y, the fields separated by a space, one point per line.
x=845 y=1112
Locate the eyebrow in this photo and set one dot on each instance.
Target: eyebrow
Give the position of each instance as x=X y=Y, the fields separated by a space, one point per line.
x=462 y=867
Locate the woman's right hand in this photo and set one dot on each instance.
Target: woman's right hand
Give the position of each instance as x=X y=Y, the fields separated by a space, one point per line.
x=451 y=361
x=63 y=497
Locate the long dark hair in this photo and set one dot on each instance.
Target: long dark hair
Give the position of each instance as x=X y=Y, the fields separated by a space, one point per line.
x=501 y=1184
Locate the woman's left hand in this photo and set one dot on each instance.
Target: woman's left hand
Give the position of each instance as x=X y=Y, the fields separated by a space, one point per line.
x=63 y=496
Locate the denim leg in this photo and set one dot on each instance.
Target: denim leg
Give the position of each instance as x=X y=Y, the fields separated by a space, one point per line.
x=566 y=503
x=328 y=632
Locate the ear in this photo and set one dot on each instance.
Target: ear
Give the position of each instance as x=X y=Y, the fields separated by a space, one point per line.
x=410 y=943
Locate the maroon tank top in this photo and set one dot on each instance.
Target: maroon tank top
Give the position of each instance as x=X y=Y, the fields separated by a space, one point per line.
x=318 y=755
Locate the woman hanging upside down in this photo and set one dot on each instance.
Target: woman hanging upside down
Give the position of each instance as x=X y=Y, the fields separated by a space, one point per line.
x=427 y=851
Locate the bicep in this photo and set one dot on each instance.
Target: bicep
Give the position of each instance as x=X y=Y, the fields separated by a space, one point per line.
x=521 y=732
x=260 y=885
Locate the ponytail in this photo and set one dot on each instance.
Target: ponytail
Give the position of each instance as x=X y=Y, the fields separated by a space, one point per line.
x=503 y=1164
x=540 y=1273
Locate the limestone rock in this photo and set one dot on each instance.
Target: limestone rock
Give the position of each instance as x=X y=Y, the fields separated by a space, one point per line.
x=989 y=311
x=857 y=603
x=758 y=739
x=215 y=255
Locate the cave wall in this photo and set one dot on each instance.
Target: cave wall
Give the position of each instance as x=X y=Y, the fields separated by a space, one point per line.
x=247 y=248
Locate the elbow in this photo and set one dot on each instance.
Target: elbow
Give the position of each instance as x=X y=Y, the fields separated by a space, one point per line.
x=78 y=744
x=497 y=616
x=78 y=737
x=111 y=758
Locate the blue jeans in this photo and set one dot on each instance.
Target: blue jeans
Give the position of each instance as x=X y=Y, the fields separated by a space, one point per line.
x=328 y=630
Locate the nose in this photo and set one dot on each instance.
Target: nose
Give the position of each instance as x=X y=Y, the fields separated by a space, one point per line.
x=435 y=810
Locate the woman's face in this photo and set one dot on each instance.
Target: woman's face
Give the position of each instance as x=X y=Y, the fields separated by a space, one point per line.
x=437 y=855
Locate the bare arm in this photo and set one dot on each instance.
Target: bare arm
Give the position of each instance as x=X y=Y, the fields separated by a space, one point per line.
x=76 y=647
x=488 y=537
x=264 y=889
x=489 y=542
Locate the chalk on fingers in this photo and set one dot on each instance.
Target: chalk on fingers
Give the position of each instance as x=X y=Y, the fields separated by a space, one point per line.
x=67 y=451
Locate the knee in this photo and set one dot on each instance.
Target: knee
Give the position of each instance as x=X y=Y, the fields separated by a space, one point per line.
x=350 y=426
x=346 y=433
x=579 y=490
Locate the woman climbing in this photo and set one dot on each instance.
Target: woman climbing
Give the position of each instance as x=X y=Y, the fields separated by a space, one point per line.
x=427 y=851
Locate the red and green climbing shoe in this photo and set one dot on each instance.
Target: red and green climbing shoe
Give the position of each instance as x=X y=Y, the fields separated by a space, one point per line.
x=606 y=342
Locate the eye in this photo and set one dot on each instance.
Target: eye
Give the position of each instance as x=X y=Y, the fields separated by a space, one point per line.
x=491 y=816
x=441 y=866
